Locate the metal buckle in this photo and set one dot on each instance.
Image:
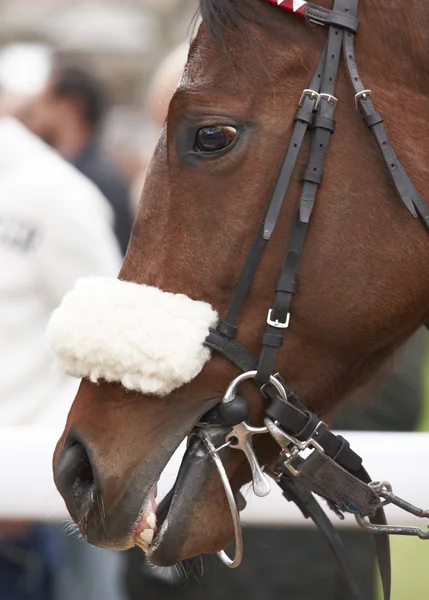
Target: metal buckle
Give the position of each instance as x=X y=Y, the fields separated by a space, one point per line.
x=363 y=94
x=311 y=93
x=383 y=489
x=298 y=447
x=327 y=97
x=276 y=322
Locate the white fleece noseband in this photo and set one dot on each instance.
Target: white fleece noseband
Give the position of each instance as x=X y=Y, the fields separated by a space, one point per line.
x=149 y=340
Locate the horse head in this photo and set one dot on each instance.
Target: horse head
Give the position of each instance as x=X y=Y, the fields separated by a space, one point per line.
x=362 y=285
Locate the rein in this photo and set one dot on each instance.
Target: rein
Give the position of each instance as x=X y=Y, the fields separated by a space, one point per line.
x=332 y=470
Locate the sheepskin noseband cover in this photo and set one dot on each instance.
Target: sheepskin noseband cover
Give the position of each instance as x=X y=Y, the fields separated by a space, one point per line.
x=149 y=340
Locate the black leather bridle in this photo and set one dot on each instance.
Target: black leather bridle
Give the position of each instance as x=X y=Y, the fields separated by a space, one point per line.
x=333 y=470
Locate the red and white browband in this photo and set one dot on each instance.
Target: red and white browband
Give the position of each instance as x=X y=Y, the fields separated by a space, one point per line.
x=294 y=6
x=318 y=14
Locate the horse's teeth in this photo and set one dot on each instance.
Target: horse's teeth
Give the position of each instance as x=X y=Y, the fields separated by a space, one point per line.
x=151 y=520
x=147 y=536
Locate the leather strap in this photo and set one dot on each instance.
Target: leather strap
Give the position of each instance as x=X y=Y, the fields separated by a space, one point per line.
x=310 y=508
x=235 y=352
x=303 y=119
x=342 y=463
x=323 y=126
x=374 y=121
x=324 y=16
x=294 y=418
x=303 y=497
x=301 y=424
x=382 y=544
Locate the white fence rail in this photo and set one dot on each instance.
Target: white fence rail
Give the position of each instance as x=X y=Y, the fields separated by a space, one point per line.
x=27 y=490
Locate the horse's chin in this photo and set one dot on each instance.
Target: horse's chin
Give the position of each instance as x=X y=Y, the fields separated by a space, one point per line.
x=194 y=517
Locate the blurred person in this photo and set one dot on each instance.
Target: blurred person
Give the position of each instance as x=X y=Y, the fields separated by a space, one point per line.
x=160 y=91
x=269 y=568
x=127 y=139
x=164 y=83
x=67 y=115
x=55 y=226
x=24 y=71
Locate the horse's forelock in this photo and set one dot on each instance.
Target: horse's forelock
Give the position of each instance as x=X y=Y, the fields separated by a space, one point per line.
x=221 y=14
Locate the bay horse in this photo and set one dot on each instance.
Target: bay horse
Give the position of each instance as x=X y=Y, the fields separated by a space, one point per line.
x=361 y=287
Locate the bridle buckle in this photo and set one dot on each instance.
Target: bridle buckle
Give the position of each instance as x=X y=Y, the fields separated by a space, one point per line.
x=365 y=94
x=276 y=323
x=298 y=447
x=327 y=97
x=311 y=93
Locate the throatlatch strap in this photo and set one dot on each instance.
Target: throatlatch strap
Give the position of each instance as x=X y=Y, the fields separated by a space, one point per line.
x=374 y=121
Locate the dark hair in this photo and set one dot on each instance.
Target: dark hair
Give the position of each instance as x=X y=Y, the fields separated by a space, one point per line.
x=80 y=85
x=218 y=14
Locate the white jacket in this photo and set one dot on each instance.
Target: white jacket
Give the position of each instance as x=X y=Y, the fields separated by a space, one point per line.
x=55 y=226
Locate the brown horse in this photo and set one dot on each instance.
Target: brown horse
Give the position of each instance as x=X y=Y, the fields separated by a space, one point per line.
x=363 y=285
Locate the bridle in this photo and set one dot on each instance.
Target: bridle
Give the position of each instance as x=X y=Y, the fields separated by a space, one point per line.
x=332 y=470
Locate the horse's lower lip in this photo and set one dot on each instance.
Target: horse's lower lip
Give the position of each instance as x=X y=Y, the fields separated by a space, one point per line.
x=176 y=510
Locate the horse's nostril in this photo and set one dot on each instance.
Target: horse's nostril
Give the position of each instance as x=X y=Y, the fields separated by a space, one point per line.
x=74 y=476
x=83 y=469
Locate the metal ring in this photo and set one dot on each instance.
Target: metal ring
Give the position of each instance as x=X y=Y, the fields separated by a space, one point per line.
x=230 y=392
x=235 y=515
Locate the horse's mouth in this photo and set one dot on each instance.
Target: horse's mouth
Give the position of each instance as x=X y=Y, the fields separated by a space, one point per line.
x=184 y=511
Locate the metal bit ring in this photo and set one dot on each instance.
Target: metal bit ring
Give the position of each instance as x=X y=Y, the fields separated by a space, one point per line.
x=232 y=563
x=230 y=392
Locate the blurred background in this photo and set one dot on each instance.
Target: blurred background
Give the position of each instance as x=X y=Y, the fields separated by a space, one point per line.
x=120 y=43
x=92 y=80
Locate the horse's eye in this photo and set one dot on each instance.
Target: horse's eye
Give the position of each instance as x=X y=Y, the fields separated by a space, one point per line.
x=212 y=138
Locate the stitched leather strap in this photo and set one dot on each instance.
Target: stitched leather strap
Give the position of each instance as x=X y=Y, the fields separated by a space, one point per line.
x=294 y=418
x=216 y=340
x=324 y=16
x=374 y=121
x=310 y=508
x=303 y=120
x=323 y=128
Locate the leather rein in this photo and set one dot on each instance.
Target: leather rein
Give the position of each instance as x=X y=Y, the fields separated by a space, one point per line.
x=332 y=470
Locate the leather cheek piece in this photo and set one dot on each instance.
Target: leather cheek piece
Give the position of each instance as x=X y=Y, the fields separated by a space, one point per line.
x=118 y=331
